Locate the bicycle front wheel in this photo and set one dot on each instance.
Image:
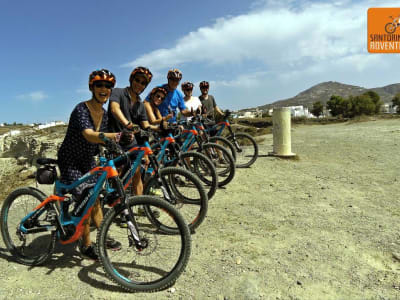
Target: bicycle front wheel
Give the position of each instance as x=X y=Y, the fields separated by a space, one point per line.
x=29 y=249
x=246 y=149
x=163 y=258
x=222 y=160
x=220 y=140
x=203 y=168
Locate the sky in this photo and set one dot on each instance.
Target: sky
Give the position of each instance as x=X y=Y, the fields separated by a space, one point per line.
x=252 y=52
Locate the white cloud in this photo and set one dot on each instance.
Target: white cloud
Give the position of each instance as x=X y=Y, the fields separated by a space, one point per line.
x=272 y=35
x=287 y=40
x=36 y=96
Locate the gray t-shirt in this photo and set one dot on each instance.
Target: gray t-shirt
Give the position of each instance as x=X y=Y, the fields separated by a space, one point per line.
x=209 y=104
x=135 y=113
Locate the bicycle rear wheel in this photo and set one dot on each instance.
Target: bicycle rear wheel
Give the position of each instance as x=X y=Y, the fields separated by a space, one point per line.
x=187 y=195
x=246 y=149
x=164 y=256
x=28 y=249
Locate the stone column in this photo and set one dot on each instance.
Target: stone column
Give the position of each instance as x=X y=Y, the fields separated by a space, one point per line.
x=281 y=133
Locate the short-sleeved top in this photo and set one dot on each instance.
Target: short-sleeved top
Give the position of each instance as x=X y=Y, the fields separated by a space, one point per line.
x=174 y=100
x=76 y=154
x=135 y=113
x=194 y=103
x=209 y=104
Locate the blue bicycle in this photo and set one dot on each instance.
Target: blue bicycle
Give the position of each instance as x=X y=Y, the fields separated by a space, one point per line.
x=149 y=260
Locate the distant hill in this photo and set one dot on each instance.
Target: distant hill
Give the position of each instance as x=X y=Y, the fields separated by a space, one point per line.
x=323 y=91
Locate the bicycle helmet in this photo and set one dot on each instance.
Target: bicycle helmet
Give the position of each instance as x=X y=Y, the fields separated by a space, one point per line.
x=187 y=85
x=174 y=74
x=158 y=89
x=101 y=75
x=204 y=84
x=141 y=71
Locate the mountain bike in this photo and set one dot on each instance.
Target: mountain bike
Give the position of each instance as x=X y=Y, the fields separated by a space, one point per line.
x=177 y=186
x=246 y=147
x=149 y=260
x=190 y=139
x=169 y=153
x=392 y=26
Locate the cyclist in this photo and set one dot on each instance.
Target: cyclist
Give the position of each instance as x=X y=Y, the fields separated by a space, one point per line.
x=208 y=101
x=174 y=98
x=127 y=110
x=192 y=103
x=157 y=96
x=81 y=144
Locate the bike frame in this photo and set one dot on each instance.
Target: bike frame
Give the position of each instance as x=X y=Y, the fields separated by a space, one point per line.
x=141 y=151
x=107 y=171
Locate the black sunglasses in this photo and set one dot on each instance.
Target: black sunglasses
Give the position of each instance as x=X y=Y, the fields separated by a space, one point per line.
x=101 y=84
x=140 y=82
x=159 y=96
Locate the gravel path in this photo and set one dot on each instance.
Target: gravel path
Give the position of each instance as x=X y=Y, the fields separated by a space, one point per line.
x=322 y=227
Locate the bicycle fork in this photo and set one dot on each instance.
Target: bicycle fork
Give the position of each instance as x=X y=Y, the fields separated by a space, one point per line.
x=129 y=215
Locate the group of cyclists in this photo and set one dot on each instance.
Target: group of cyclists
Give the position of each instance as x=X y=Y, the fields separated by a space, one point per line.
x=89 y=123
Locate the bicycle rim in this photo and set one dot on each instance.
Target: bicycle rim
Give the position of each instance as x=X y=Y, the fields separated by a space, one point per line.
x=162 y=260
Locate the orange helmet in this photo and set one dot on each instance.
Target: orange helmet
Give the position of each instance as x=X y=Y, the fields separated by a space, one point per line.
x=187 y=85
x=141 y=71
x=204 y=84
x=101 y=75
x=174 y=74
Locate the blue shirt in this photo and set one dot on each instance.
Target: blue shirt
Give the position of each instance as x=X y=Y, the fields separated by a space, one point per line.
x=173 y=100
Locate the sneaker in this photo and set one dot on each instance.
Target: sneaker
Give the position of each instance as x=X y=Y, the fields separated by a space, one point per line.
x=89 y=252
x=113 y=244
x=156 y=192
x=122 y=222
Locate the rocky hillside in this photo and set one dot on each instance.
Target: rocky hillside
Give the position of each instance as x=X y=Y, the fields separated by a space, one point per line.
x=19 y=151
x=323 y=91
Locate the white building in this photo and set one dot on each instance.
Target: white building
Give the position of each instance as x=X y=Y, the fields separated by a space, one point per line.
x=389 y=108
x=296 y=111
x=50 y=124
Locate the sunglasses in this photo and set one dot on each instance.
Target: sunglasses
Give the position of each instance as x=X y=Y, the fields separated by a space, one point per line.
x=188 y=90
x=158 y=96
x=101 y=84
x=137 y=80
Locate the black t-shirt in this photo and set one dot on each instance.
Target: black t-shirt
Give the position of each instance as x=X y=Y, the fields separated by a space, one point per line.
x=209 y=105
x=135 y=113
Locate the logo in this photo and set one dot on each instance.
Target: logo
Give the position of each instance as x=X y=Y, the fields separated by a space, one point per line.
x=384 y=30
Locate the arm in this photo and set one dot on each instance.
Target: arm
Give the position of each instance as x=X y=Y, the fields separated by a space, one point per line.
x=153 y=119
x=93 y=136
x=146 y=124
x=116 y=111
x=219 y=111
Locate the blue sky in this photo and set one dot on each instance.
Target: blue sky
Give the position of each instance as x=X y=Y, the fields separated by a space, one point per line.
x=251 y=52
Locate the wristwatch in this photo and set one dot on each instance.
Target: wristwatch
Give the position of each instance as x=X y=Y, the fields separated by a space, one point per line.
x=129 y=123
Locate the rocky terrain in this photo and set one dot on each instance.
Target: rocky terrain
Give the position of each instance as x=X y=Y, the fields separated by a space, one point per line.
x=324 y=226
x=19 y=151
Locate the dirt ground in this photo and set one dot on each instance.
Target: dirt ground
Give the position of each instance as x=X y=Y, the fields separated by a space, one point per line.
x=321 y=227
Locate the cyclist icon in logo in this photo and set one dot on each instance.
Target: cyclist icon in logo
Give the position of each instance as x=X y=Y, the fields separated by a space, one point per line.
x=392 y=26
